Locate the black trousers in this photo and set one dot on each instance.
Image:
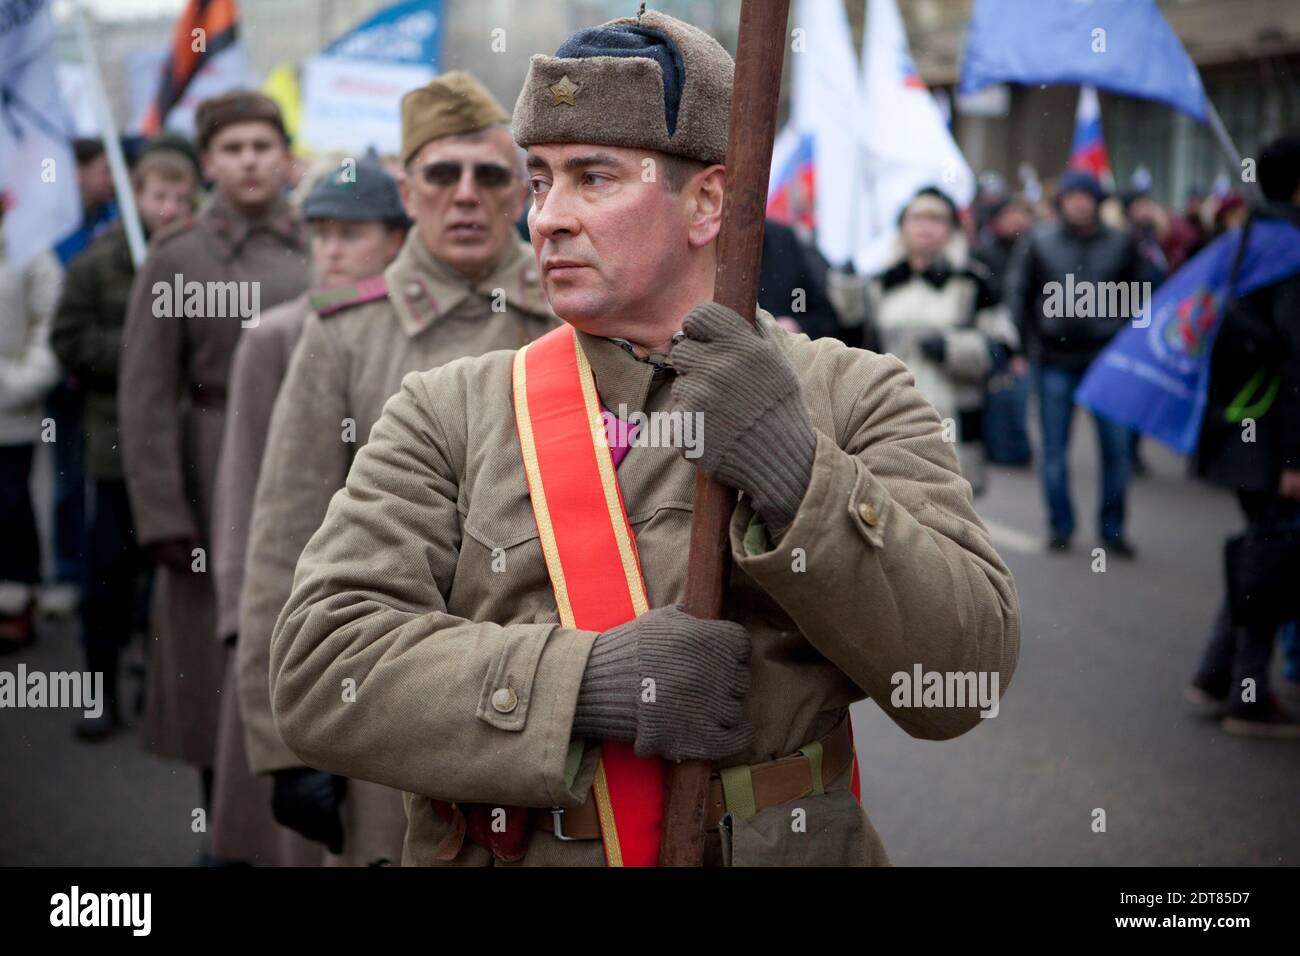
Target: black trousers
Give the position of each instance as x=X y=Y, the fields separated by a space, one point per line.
x=20 y=548
x=1236 y=653
x=115 y=566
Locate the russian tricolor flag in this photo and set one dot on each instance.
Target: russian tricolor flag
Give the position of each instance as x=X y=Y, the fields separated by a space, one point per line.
x=1088 y=151
x=790 y=186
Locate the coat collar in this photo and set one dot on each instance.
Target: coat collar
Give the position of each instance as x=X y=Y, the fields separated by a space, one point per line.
x=622 y=379
x=231 y=228
x=901 y=273
x=422 y=288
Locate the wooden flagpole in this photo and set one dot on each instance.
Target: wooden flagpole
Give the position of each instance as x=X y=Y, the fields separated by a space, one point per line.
x=760 y=54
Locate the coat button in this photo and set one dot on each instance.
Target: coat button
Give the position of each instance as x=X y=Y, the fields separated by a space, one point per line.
x=868 y=514
x=504 y=700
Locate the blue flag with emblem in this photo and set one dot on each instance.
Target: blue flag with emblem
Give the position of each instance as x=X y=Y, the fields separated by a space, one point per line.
x=1154 y=375
x=1124 y=46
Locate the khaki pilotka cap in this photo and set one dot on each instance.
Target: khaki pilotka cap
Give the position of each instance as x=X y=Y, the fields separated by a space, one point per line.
x=651 y=81
x=451 y=104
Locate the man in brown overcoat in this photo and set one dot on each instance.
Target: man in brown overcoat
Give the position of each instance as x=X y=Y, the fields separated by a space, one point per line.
x=445 y=588
x=202 y=283
x=463 y=284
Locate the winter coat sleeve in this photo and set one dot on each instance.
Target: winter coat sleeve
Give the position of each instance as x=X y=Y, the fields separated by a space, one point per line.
x=421 y=678
x=86 y=347
x=887 y=525
x=26 y=378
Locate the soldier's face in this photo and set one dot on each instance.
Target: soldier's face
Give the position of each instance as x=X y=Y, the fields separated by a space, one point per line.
x=345 y=252
x=611 y=242
x=465 y=195
x=248 y=162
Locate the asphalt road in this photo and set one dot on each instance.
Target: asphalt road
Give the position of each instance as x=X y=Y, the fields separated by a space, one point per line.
x=1094 y=716
x=1093 y=720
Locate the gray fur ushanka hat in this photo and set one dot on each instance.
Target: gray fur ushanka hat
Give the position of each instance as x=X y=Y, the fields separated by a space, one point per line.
x=652 y=82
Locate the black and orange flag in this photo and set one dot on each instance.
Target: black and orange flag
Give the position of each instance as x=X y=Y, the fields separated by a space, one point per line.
x=205 y=29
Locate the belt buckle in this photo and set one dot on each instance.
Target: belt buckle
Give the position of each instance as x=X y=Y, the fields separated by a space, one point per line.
x=557 y=821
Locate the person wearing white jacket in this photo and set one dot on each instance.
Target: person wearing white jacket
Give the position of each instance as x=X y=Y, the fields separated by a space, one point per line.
x=937 y=309
x=28 y=370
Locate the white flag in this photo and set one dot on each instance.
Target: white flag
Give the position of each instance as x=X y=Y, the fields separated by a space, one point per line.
x=827 y=105
x=906 y=143
x=38 y=173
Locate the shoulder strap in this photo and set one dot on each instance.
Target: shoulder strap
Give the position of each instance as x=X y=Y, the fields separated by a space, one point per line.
x=328 y=301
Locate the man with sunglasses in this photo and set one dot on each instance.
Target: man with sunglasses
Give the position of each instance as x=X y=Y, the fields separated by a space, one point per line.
x=500 y=577
x=462 y=284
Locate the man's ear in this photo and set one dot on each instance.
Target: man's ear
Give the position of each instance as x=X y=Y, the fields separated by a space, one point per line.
x=704 y=204
x=205 y=161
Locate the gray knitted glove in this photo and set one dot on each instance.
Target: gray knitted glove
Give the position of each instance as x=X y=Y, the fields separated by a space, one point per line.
x=757 y=434
x=700 y=671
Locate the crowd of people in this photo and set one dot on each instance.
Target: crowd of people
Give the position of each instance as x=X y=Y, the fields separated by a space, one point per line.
x=194 y=445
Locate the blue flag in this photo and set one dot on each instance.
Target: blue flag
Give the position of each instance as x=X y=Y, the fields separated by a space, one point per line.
x=1124 y=46
x=406 y=32
x=1155 y=377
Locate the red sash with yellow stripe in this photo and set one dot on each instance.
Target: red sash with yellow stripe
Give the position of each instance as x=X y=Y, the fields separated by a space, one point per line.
x=590 y=555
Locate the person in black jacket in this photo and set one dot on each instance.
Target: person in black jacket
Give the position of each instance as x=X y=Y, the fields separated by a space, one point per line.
x=1062 y=295
x=1009 y=217
x=1006 y=406
x=792 y=283
x=1255 y=380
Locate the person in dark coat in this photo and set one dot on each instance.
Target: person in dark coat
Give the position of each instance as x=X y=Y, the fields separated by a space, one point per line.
x=1008 y=218
x=792 y=283
x=244 y=252
x=1006 y=404
x=1256 y=362
x=1054 y=267
x=87 y=338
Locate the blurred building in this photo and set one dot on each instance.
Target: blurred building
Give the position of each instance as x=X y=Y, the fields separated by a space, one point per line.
x=290 y=31
x=130 y=50
x=132 y=40
x=1248 y=53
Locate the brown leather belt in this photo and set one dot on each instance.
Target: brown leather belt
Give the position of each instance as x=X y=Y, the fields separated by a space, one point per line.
x=775 y=782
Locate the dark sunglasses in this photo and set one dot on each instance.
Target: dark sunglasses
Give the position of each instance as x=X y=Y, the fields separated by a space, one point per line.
x=448 y=173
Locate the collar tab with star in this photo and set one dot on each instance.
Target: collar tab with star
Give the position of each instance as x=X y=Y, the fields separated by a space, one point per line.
x=660 y=360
